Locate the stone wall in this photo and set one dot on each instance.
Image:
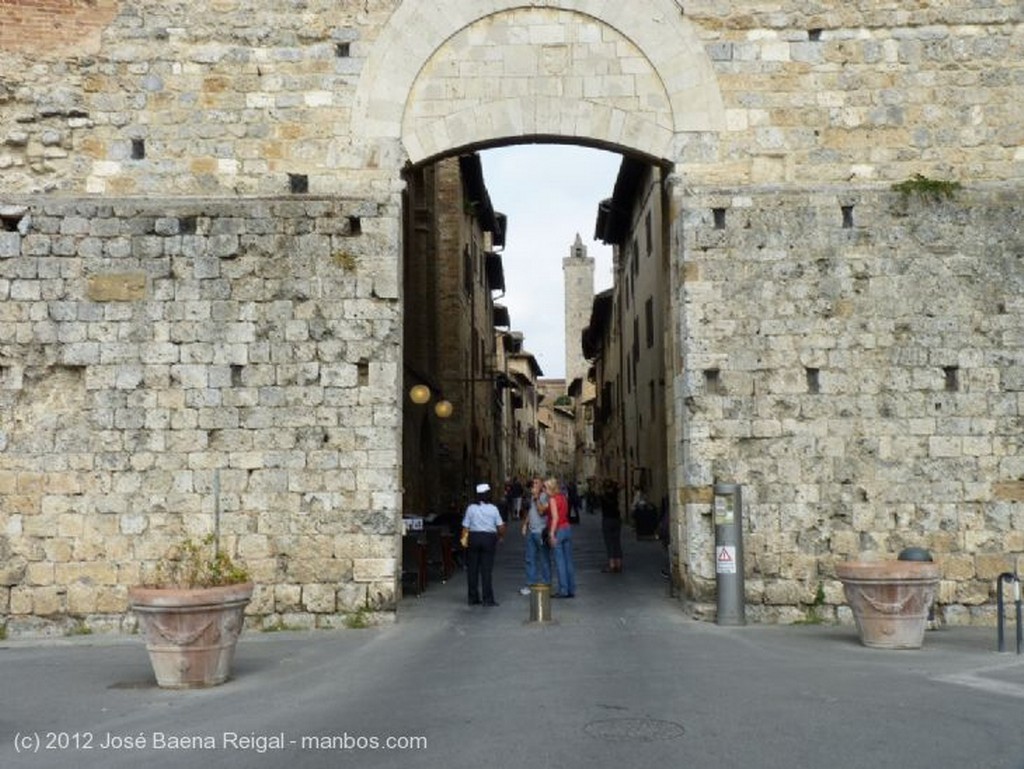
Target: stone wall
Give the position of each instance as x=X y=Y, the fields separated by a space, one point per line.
x=72 y=27
x=183 y=289
x=153 y=351
x=861 y=92
x=854 y=358
x=236 y=97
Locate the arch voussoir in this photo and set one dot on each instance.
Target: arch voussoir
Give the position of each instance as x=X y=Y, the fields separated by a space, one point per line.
x=522 y=118
x=494 y=70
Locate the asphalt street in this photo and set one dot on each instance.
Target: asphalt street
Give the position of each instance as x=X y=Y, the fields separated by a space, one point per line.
x=621 y=678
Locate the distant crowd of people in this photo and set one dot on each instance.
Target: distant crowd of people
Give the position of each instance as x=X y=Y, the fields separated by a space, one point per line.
x=546 y=525
x=545 y=510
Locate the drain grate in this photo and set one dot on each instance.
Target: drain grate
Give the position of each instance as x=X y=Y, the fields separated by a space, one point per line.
x=634 y=730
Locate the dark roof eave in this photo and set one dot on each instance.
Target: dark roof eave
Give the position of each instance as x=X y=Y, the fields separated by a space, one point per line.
x=613 y=214
x=472 y=172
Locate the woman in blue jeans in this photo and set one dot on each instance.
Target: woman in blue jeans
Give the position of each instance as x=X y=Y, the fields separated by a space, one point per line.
x=535 y=526
x=561 y=539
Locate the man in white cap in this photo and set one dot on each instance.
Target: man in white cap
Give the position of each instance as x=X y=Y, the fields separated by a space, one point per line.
x=482 y=530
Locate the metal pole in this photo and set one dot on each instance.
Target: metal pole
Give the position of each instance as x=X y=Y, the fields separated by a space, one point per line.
x=540 y=603
x=216 y=512
x=1007 y=576
x=728 y=513
x=1016 y=604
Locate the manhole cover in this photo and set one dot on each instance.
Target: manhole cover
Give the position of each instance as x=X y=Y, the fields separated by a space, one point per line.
x=634 y=730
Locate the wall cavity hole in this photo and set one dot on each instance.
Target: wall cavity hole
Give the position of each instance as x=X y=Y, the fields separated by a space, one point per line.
x=10 y=222
x=713 y=381
x=952 y=377
x=719 y=216
x=355 y=225
x=342 y=50
x=847 y=217
x=298 y=184
x=813 y=381
x=138 y=149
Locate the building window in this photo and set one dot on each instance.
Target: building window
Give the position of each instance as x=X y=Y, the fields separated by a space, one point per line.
x=467 y=271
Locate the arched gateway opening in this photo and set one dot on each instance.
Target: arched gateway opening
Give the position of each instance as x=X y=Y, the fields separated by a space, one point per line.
x=458 y=78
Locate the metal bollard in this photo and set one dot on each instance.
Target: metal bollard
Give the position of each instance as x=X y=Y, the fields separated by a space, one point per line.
x=540 y=603
x=920 y=554
x=1015 y=580
x=728 y=512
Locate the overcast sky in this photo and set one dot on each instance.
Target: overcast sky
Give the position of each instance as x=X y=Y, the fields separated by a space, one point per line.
x=549 y=193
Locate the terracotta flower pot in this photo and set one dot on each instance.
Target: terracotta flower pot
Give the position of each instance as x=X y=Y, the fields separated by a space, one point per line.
x=890 y=600
x=191 y=632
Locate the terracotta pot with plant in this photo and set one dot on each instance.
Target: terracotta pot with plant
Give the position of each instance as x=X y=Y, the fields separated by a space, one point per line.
x=192 y=614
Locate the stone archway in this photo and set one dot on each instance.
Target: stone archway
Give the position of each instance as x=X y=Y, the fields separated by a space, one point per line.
x=453 y=74
x=449 y=76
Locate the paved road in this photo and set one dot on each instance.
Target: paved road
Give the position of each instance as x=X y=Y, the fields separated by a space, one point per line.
x=622 y=679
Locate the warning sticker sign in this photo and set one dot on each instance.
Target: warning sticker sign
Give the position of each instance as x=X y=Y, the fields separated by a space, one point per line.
x=725 y=559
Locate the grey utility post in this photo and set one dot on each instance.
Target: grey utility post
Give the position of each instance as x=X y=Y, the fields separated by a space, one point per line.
x=729 y=554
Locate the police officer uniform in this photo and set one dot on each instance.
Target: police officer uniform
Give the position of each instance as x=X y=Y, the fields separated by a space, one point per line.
x=485 y=527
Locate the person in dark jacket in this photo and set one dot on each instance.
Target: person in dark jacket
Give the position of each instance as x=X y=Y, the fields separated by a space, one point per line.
x=611 y=526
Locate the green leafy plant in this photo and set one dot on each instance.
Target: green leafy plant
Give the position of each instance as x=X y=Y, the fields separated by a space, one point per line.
x=279 y=626
x=357 y=620
x=345 y=260
x=812 y=615
x=199 y=564
x=80 y=628
x=931 y=189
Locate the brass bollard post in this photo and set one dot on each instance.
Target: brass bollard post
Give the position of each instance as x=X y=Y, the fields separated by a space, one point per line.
x=540 y=603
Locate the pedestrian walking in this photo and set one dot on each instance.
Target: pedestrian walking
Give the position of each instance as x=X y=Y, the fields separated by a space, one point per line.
x=535 y=529
x=561 y=537
x=572 y=494
x=611 y=526
x=482 y=530
x=515 y=501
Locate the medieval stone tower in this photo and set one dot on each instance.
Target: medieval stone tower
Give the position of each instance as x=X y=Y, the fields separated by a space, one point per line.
x=578 y=271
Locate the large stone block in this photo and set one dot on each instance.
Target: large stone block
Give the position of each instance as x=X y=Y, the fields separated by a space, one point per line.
x=319 y=598
x=287 y=598
x=373 y=569
x=117 y=287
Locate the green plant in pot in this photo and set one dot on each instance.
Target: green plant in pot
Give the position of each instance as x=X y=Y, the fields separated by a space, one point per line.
x=192 y=613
